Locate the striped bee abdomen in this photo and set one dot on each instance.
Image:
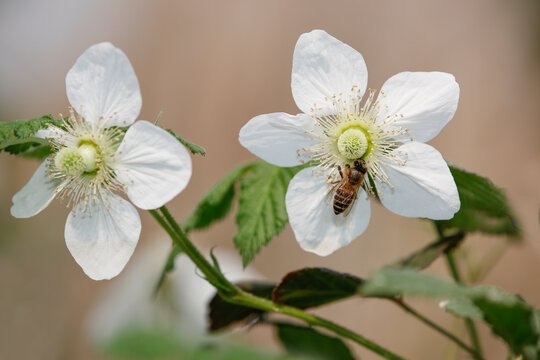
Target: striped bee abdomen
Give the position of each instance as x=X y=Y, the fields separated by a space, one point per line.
x=343 y=199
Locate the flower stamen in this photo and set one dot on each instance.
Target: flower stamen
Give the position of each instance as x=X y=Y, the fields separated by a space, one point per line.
x=84 y=160
x=348 y=131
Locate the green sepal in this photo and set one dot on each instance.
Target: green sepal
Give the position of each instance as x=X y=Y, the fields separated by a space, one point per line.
x=194 y=148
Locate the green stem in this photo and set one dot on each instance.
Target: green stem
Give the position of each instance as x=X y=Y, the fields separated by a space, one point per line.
x=250 y=300
x=180 y=239
x=234 y=295
x=437 y=328
x=471 y=328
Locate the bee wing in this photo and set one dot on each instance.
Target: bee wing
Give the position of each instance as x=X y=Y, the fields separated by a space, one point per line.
x=329 y=200
x=348 y=209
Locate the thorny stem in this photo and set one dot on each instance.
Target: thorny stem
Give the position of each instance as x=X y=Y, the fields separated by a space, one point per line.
x=437 y=328
x=234 y=295
x=471 y=328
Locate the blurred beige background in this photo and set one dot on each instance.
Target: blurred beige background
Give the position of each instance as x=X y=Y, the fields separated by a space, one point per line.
x=211 y=66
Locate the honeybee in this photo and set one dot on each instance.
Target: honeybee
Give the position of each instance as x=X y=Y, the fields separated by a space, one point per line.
x=347 y=189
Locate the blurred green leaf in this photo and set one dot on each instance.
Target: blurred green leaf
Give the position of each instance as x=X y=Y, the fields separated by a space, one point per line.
x=424 y=257
x=17 y=137
x=484 y=207
x=311 y=287
x=512 y=319
x=508 y=315
x=223 y=313
x=143 y=344
x=261 y=207
x=235 y=352
x=194 y=148
x=462 y=307
x=217 y=202
x=390 y=282
x=153 y=345
x=311 y=344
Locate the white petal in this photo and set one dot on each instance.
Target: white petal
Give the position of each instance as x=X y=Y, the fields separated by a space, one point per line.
x=103 y=238
x=423 y=187
x=316 y=227
x=276 y=138
x=423 y=102
x=153 y=165
x=103 y=83
x=323 y=67
x=57 y=135
x=35 y=195
x=51 y=133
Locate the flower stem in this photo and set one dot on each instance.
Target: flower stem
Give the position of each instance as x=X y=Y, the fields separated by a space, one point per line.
x=437 y=328
x=213 y=275
x=229 y=292
x=471 y=328
x=250 y=300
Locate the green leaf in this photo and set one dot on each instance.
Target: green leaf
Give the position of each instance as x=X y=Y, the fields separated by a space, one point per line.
x=31 y=150
x=235 y=352
x=390 y=282
x=194 y=148
x=509 y=316
x=424 y=257
x=223 y=313
x=152 y=344
x=217 y=202
x=462 y=307
x=484 y=207
x=143 y=344
x=314 y=287
x=311 y=344
x=261 y=208
x=512 y=319
x=16 y=137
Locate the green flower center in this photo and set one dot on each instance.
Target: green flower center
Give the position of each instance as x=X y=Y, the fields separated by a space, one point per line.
x=353 y=143
x=75 y=161
x=89 y=155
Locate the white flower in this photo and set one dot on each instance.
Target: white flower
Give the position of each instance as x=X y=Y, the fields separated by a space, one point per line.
x=411 y=178
x=93 y=159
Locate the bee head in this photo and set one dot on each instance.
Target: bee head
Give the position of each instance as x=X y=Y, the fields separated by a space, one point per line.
x=360 y=165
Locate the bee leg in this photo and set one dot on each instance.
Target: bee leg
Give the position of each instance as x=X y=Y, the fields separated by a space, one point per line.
x=340 y=173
